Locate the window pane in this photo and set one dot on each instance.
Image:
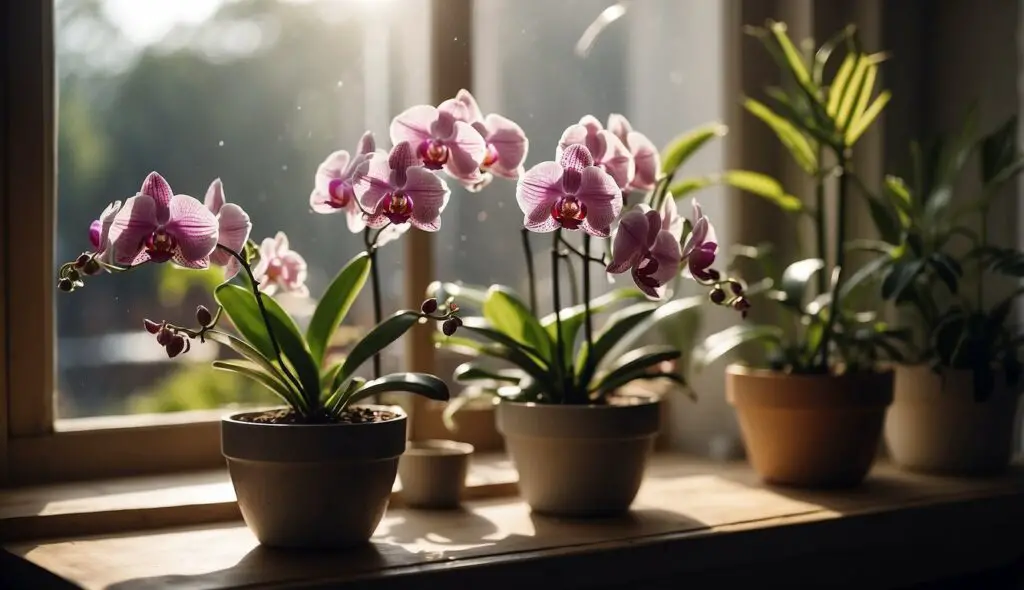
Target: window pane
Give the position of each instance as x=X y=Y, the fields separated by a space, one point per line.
x=255 y=92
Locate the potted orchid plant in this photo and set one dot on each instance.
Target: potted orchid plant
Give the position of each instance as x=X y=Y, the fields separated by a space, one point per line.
x=317 y=472
x=579 y=442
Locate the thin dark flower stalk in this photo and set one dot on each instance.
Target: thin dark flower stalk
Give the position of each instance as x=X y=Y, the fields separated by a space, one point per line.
x=588 y=320
x=378 y=314
x=530 y=275
x=557 y=302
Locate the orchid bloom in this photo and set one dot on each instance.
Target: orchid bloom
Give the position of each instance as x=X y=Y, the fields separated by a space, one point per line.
x=608 y=151
x=645 y=247
x=99 y=230
x=701 y=246
x=157 y=225
x=280 y=268
x=441 y=140
x=394 y=188
x=334 y=183
x=507 y=144
x=572 y=193
x=645 y=155
x=233 y=227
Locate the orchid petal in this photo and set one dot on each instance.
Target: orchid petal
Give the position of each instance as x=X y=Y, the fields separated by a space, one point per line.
x=391 y=233
x=458 y=109
x=619 y=126
x=367 y=144
x=473 y=109
x=666 y=251
x=467 y=149
x=511 y=143
x=135 y=221
x=333 y=167
x=193 y=226
x=429 y=196
x=372 y=180
x=670 y=219
x=591 y=124
x=477 y=185
x=354 y=218
x=645 y=159
x=573 y=135
x=192 y=263
x=215 y=196
x=413 y=124
x=614 y=156
x=630 y=240
x=536 y=192
x=156 y=187
x=602 y=198
x=696 y=237
x=234 y=227
x=106 y=219
x=653 y=292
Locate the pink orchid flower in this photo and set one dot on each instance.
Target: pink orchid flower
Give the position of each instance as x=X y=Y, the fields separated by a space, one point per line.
x=608 y=151
x=99 y=230
x=395 y=189
x=645 y=155
x=645 y=248
x=701 y=246
x=572 y=193
x=334 y=183
x=441 y=140
x=507 y=144
x=157 y=225
x=233 y=227
x=280 y=268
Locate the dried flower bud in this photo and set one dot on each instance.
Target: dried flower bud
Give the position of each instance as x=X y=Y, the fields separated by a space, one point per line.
x=453 y=307
x=203 y=316
x=92 y=267
x=450 y=325
x=73 y=275
x=65 y=285
x=164 y=336
x=175 y=346
x=151 y=326
x=717 y=296
x=736 y=287
x=429 y=306
x=741 y=305
x=82 y=260
x=713 y=274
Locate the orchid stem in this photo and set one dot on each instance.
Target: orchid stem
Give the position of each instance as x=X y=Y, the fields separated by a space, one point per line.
x=557 y=363
x=263 y=313
x=530 y=276
x=371 y=250
x=588 y=320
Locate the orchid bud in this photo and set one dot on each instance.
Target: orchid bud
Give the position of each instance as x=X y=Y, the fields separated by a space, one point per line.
x=717 y=296
x=73 y=275
x=164 y=336
x=736 y=287
x=92 y=267
x=151 y=326
x=450 y=325
x=713 y=274
x=453 y=307
x=741 y=305
x=429 y=306
x=175 y=346
x=203 y=316
x=82 y=260
x=65 y=285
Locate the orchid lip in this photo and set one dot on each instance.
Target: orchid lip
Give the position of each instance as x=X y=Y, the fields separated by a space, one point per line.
x=398 y=207
x=569 y=212
x=341 y=193
x=490 y=158
x=433 y=153
x=161 y=246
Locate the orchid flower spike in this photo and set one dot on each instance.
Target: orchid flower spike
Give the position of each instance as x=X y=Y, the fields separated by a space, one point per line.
x=645 y=155
x=440 y=140
x=644 y=246
x=506 y=142
x=394 y=189
x=280 y=268
x=334 y=183
x=701 y=247
x=608 y=151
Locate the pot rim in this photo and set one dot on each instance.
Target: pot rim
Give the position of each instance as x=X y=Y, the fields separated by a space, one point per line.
x=748 y=371
x=234 y=418
x=641 y=401
x=437 y=448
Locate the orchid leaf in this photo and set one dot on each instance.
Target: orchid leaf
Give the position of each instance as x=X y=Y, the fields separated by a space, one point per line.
x=342 y=390
x=464 y=294
x=572 y=318
x=795 y=279
x=474 y=372
x=515 y=356
x=508 y=314
x=335 y=304
x=379 y=338
x=481 y=326
x=794 y=140
x=765 y=186
x=421 y=384
x=634 y=363
x=717 y=345
x=999 y=150
x=259 y=375
x=664 y=313
x=467 y=397
x=903 y=274
x=682 y=147
x=328 y=377
x=246 y=350
x=618 y=325
x=682 y=188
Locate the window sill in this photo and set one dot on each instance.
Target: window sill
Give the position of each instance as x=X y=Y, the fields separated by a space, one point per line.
x=708 y=522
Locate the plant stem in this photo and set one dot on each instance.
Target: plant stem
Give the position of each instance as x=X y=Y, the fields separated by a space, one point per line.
x=530 y=275
x=820 y=219
x=588 y=324
x=557 y=363
x=834 y=306
x=371 y=250
x=264 y=314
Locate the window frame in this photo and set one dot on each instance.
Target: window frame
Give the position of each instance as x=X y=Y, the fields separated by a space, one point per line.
x=33 y=448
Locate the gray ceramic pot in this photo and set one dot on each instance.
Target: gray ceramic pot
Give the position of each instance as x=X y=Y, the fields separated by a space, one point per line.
x=576 y=460
x=303 y=486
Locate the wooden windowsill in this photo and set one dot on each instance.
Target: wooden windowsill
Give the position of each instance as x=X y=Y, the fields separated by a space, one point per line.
x=694 y=522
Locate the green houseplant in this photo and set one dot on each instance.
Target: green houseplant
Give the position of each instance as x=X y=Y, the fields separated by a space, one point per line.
x=813 y=415
x=318 y=471
x=579 y=443
x=956 y=397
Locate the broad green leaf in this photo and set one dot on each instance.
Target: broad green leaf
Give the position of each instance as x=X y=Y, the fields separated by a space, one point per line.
x=511 y=316
x=886 y=218
x=481 y=326
x=382 y=335
x=245 y=349
x=903 y=273
x=852 y=92
x=999 y=150
x=866 y=90
x=795 y=279
x=763 y=186
x=254 y=372
x=946 y=268
x=899 y=196
x=515 y=356
x=839 y=84
x=861 y=123
x=618 y=325
x=243 y=309
x=682 y=188
x=342 y=389
x=717 y=345
x=630 y=365
x=328 y=377
x=421 y=384
x=473 y=372
x=463 y=294
x=876 y=268
x=793 y=57
x=794 y=140
x=335 y=304
x=573 y=317
x=664 y=313
x=682 y=147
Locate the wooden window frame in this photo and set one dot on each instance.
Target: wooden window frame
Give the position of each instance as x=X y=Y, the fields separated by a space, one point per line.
x=35 y=449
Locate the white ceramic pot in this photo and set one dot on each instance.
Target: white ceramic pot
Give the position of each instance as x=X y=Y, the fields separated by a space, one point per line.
x=576 y=460
x=935 y=425
x=433 y=473
x=317 y=485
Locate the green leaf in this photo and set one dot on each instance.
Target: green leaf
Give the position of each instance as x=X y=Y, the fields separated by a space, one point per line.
x=511 y=316
x=467 y=397
x=763 y=186
x=999 y=150
x=794 y=140
x=793 y=59
x=876 y=268
x=464 y=294
x=902 y=275
x=899 y=196
x=421 y=384
x=636 y=362
x=243 y=309
x=823 y=54
x=515 y=356
x=864 y=120
x=664 y=313
x=246 y=350
x=328 y=378
x=481 y=326
x=684 y=187
x=795 y=279
x=886 y=219
x=717 y=345
x=618 y=325
x=947 y=268
x=342 y=390
x=573 y=317
x=852 y=92
x=254 y=372
x=682 y=147
x=382 y=335
x=474 y=372
x=839 y=84
x=335 y=304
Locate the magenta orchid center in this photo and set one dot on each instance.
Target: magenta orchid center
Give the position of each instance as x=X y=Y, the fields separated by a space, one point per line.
x=569 y=212
x=398 y=207
x=161 y=246
x=647 y=267
x=95 y=233
x=433 y=153
x=341 y=193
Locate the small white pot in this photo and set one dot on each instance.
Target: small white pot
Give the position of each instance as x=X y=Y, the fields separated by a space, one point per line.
x=313 y=485
x=936 y=426
x=433 y=473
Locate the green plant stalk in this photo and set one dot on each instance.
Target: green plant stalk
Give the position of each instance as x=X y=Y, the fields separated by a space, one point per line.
x=834 y=307
x=378 y=313
x=819 y=205
x=556 y=363
x=588 y=321
x=530 y=275
x=263 y=313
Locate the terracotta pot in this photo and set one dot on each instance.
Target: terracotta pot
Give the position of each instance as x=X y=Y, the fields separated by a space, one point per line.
x=936 y=426
x=576 y=460
x=433 y=473
x=323 y=485
x=810 y=430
